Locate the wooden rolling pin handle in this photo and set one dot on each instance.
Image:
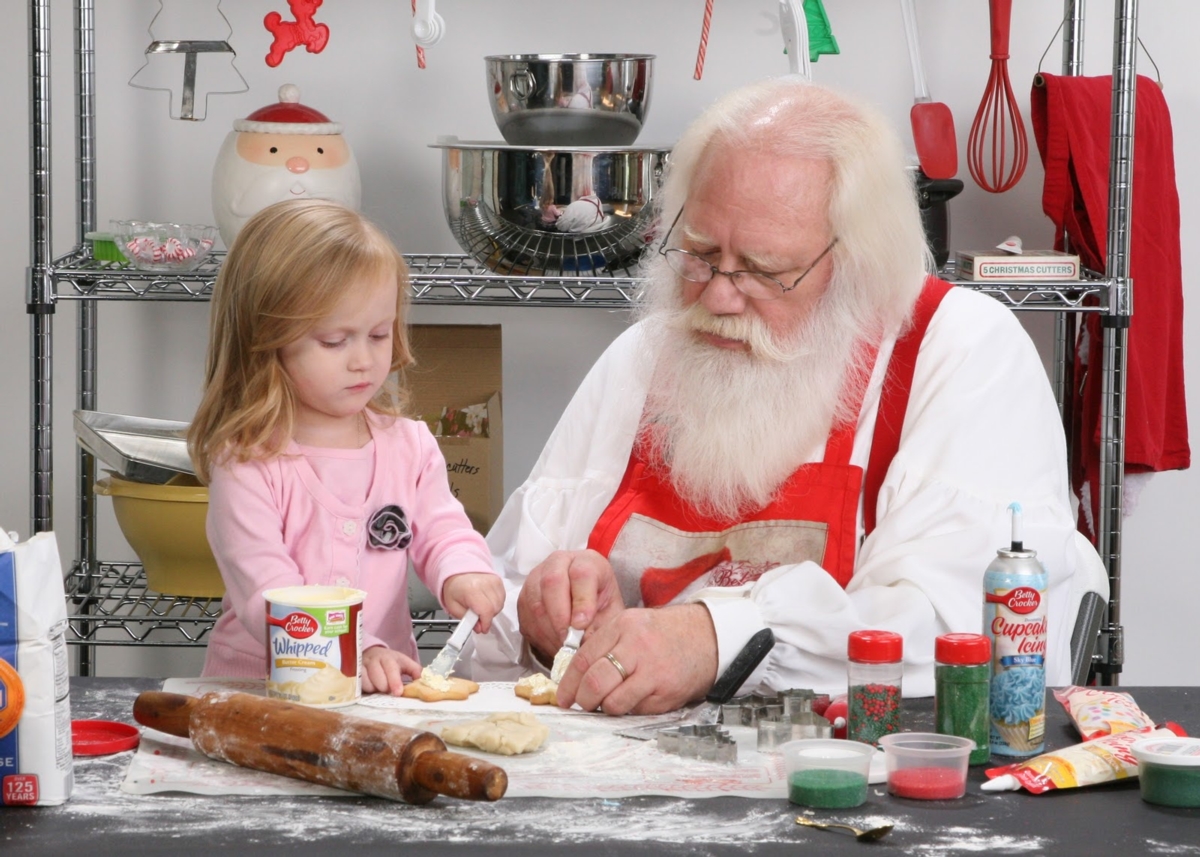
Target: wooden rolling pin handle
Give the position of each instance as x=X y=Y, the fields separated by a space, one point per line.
x=457 y=775
x=166 y=712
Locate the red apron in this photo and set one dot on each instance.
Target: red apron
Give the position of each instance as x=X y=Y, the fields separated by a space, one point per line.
x=661 y=548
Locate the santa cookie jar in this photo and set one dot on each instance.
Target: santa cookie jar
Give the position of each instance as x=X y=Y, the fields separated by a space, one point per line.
x=282 y=151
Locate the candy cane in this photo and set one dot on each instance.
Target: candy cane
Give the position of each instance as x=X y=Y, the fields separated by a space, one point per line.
x=420 y=50
x=708 y=6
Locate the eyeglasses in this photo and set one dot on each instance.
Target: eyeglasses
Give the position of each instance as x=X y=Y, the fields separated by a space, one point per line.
x=752 y=284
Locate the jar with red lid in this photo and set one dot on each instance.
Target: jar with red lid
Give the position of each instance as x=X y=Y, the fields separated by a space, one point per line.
x=962 y=682
x=875 y=670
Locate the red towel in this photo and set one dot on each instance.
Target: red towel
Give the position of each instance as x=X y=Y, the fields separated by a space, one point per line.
x=1072 y=124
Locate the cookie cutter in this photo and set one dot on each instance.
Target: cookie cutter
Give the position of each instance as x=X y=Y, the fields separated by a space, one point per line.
x=709 y=743
x=786 y=716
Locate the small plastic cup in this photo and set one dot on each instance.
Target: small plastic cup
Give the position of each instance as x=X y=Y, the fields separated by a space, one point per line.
x=1169 y=770
x=825 y=773
x=927 y=766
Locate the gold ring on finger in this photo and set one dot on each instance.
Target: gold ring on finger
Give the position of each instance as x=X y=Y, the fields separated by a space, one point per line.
x=613 y=660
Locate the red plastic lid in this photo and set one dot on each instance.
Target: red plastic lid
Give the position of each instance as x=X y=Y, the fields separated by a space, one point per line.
x=962 y=649
x=875 y=647
x=101 y=737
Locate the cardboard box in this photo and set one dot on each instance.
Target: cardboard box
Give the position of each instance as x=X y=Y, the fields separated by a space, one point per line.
x=1033 y=265
x=459 y=365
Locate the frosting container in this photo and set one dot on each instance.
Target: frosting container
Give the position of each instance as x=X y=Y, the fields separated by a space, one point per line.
x=1014 y=618
x=314 y=641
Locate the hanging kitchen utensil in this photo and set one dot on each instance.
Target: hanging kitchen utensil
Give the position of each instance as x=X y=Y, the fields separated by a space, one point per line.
x=998 y=148
x=932 y=122
x=428 y=27
x=794 y=27
x=820 y=34
x=152 y=76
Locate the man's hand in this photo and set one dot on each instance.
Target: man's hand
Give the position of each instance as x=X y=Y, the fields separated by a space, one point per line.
x=383 y=670
x=668 y=654
x=567 y=589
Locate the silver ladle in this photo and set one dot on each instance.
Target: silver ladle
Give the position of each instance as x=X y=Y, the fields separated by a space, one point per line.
x=869 y=835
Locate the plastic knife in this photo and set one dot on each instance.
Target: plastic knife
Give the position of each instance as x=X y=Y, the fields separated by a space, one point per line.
x=444 y=663
x=563 y=659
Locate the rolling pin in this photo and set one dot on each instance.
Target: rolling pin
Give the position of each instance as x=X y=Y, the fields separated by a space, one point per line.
x=321 y=746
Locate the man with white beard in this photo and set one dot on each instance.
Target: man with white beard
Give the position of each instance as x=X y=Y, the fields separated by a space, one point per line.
x=803 y=432
x=285 y=150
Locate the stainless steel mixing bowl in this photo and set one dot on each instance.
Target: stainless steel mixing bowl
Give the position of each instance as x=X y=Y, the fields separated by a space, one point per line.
x=569 y=99
x=577 y=212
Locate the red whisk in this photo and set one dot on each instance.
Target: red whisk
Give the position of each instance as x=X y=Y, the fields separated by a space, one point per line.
x=997 y=149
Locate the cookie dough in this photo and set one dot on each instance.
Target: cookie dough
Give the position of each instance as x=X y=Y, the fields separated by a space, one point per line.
x=508 y=733
x=538 y=689
x=431 y=687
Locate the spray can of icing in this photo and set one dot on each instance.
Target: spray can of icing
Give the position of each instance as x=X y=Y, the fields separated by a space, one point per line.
x=1014 y=617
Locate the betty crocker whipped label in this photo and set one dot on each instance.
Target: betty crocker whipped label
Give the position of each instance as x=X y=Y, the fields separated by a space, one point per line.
x=314 y=650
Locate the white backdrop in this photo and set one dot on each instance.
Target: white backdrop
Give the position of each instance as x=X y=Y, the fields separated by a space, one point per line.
x=153 y=167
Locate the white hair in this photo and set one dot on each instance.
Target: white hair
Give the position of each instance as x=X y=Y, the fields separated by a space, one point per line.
x=881 y=258
x=730 y=427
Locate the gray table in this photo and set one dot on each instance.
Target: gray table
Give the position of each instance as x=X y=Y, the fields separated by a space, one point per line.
x=101 y=820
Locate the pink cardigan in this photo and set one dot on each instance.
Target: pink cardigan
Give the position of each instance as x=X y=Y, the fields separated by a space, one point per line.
x=272 y=524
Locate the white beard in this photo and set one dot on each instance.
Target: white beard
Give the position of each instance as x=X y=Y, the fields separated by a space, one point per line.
x=241 y=189
x=731 y=426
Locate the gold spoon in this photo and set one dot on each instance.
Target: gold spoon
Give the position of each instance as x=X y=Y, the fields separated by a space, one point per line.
x=861 y=835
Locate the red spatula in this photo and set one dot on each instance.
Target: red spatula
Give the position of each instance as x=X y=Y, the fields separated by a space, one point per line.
x=932 y=122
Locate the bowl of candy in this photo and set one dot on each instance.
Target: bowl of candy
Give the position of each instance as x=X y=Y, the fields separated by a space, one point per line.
x=163 y=247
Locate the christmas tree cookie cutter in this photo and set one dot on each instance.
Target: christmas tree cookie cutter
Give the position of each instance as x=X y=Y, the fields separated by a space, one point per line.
x=190 y=49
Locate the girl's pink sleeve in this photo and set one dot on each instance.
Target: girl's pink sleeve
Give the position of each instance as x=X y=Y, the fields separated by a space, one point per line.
x=245 y=531
x=444 y=543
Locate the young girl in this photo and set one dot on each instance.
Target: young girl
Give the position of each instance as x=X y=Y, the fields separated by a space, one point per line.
x=313 y=475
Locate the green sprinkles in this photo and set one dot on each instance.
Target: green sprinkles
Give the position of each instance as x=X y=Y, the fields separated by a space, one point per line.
x=960 y=705
x=827 y=788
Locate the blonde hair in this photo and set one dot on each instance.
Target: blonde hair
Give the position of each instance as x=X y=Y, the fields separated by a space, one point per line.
x=881 y=257
x=288 y=268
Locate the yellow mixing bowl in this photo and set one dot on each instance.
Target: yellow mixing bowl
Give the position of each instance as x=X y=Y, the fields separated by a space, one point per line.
x=164 y=524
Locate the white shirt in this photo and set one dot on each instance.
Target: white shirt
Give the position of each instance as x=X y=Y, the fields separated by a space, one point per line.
x=982 y=430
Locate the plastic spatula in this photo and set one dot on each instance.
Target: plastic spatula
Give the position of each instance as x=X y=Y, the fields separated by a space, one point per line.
x=932 y=122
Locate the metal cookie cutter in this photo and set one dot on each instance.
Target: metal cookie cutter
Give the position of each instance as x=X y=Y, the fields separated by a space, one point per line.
x=709 y=743
x=778 y=719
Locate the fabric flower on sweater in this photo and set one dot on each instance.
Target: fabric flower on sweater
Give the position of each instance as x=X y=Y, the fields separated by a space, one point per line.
x=388 y=529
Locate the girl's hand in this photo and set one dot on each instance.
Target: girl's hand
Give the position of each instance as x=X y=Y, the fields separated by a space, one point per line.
x=384 y=670
x=483 y=593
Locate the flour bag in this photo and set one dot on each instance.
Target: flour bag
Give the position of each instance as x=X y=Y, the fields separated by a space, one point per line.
x=35 y=710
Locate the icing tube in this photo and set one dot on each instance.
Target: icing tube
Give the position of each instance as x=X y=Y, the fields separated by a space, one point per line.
x=1097 y=712
x=1101 y=760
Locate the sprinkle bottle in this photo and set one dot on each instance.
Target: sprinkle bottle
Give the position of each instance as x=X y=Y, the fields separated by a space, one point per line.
x=875 y=670
x=962 y=680
x=1014 y=618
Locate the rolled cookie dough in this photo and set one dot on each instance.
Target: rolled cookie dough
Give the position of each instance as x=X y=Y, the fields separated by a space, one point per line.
x=538 y=689
x=508 y=733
